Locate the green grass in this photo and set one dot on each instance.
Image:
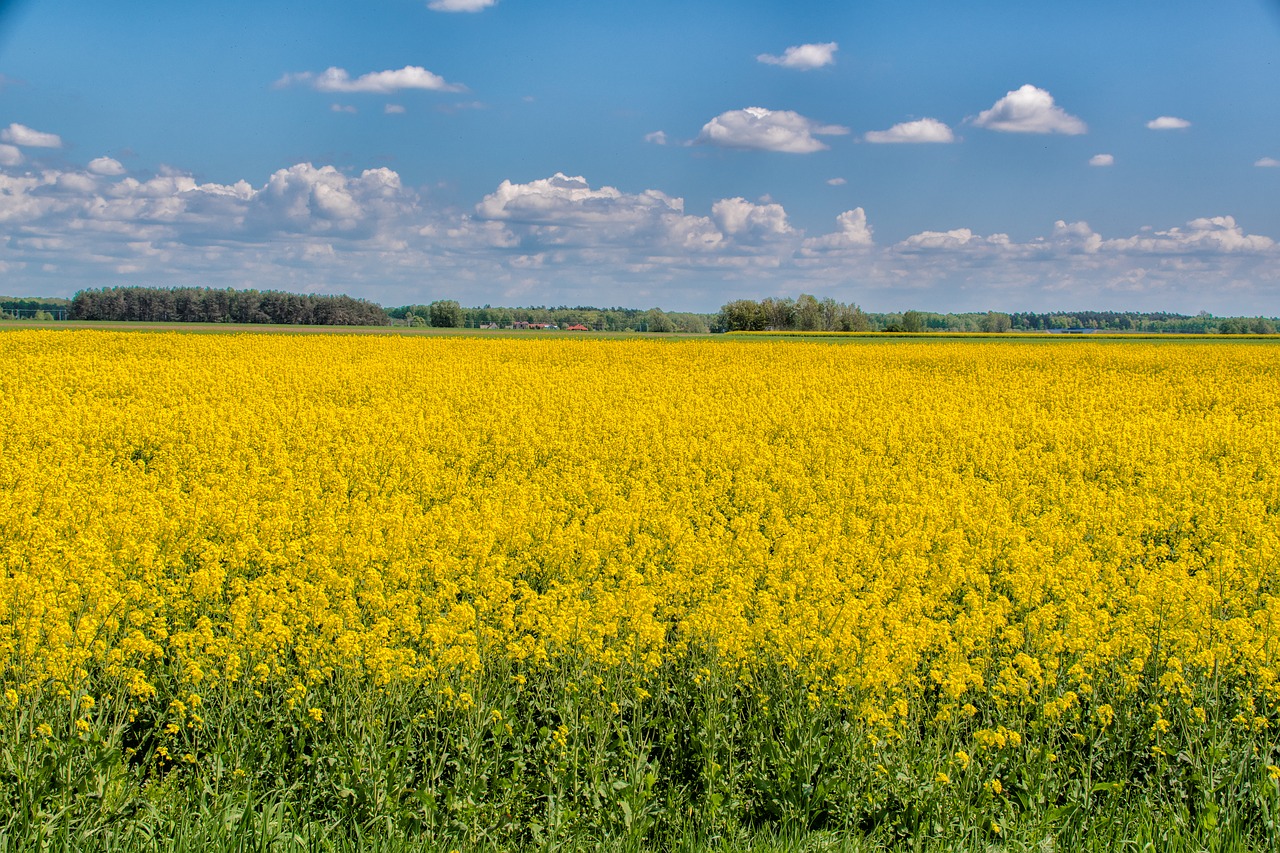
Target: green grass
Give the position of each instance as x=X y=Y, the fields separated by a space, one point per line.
x=563 y=763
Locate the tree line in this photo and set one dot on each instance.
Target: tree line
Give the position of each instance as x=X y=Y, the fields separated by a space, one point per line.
x=806 y=313
x=1134 y=321
x=809 y=314
x=449 y=314
x=38 y=308
x=207 y=305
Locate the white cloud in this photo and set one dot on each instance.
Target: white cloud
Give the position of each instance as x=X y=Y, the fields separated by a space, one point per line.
x=10 y=155
x=20 y=134
x=920 y=130
x=952 y=239
x=562 y=198
x=803 y=57
x=342 y=108
x=304 y=199
x=836 y=182
x=75 y=182
x=1075 y=237
x=1168 y=123
x=106 y=166
x=1029 y=110
x=393 y=109
x=767 y=130
x=460 y=5
x=1267 y=163
x=566 y=212
x=738 y=217
x=658 y=137
x=1214 y=234
x=1102 y=160
x=470 y=234
x=852 y=232
x=335 y=79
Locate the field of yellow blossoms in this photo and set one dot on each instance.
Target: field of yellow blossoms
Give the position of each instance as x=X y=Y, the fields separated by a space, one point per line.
x=504 y=592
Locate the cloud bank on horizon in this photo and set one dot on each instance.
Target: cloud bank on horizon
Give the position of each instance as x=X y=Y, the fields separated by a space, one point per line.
x=309 y=227
x=546 y=179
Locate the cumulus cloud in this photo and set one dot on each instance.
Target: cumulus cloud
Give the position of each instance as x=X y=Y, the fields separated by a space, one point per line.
x=836 y=182
x=921 y=130
x=1029 y=110
x=1168 y=123
x=1102 y=160
x=1075 y=237
x=1213 y=234
x=738 y=217
x=562 y=198
x=106 y=166
x=658 y=137
x=803 y=57
x=460 y=5
x=767 y=130
x=1267 y=163
x=852 y=232
x=336 y=79
x=393 y=109
x=954 y=239
x=20 y=134
x=10 y=155
x=342 y=108
x=567 y=212
x=306 y=199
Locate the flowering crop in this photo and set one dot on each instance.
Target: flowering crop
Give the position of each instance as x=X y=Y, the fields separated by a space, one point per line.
x=1014 y=541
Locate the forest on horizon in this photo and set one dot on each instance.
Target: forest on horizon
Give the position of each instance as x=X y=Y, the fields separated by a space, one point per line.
x=806 y=313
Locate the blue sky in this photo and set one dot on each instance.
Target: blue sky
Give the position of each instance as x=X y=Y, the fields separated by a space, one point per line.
x=989 y=155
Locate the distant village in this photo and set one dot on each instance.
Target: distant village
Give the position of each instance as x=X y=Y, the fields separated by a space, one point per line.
x=520 y=324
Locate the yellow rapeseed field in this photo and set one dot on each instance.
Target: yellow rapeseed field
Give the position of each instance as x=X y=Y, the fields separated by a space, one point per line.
x=1044 y=527
x=1017 y=519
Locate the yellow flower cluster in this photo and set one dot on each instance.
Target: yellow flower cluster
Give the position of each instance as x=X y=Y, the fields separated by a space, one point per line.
x=1012 y=521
